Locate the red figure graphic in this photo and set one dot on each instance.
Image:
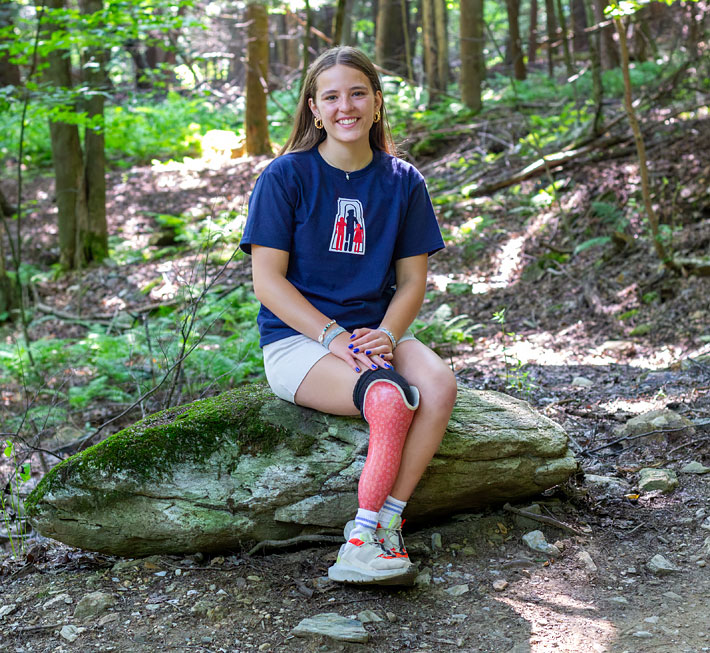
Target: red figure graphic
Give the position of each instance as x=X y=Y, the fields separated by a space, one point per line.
x=357 y=239
x=339 y=233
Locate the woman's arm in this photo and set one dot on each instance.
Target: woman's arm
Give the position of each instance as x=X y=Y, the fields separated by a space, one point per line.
x=282 y=298
x=411 y=273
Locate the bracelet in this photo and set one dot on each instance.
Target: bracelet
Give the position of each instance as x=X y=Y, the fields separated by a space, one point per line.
x=390 y=335
x=332 y=336
x=325 y=328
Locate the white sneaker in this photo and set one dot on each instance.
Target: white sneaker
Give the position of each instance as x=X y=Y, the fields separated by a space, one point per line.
x=363 y=559
x=390 y=536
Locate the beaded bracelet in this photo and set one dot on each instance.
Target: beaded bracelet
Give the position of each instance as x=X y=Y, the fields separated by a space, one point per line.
x=325 y=328
x=332 y=336
x=390 y=335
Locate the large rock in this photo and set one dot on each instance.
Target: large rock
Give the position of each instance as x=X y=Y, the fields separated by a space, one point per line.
x=246 y=466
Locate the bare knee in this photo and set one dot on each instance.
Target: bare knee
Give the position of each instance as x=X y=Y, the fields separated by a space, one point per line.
x=438 y=391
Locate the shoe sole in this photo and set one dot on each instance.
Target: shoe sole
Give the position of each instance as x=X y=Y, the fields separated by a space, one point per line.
x=343 y=574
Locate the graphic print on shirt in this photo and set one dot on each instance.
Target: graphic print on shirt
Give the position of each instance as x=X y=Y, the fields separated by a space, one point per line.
x=348 y=228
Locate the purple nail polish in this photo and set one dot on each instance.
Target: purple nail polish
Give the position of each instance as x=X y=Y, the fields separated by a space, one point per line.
x=350 y=346
x=356 y=350
x=352 y=336
x=357 y=369
x=374 y=367
x=382 y=355
x=368 y=352
x=388 y=366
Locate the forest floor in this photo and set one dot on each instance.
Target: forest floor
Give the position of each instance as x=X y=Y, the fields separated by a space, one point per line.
x=574 y=351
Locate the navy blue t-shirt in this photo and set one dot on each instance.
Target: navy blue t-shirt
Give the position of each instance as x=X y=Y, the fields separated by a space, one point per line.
x=343 y=233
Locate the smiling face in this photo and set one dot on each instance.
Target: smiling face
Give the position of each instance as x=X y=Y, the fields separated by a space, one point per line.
x=346 y=103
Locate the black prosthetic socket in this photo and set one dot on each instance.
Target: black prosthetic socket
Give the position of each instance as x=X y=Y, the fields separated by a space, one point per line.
x=380 y=374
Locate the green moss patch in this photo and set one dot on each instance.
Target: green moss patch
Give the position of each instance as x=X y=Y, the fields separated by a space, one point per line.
x=150 y=448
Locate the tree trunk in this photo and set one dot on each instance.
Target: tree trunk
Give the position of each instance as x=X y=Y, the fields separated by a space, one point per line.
x=608 y=49
x=93 y=237
x=9 y=72
x=640 y=145
x=472 y=62
x=579 y=23
x=338 y=22
x=431 y=71
x=257 y=125
x=597 y=87
x=532 y=34
x=551 y=23
x=390 y=45
x=68 y=163
x=515 y=45
x=442 y=44
x=565 y=39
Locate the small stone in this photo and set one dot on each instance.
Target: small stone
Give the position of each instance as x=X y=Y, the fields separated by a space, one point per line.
x=652 y=620
x=368 y=617
x=69 y=632
x=695 y=468
x=659 y=566
x=436 y=543
x=706 y=546
x=651 y=479
x=332 y=625
x=701 y=563
x=587 y=562
x=109 y=618
x=673 y=596
x=706 y=524
x=642 y=634
x=391 y=617
x=500 y=585
x=60 y=598
x=618 y=599
x=423 y=578
x=582 y=382
x=7 y=609
x=537 y=542
x=265 y=646
x=607 y=485
x=457 y=590
x=468 y=551
x=93 y=604
x=254 y=579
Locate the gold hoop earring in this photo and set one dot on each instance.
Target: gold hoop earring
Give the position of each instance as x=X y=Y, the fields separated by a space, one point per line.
x=318 y=123
x=377 y=117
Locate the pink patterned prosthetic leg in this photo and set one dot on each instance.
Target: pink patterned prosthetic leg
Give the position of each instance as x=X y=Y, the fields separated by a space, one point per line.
x=389 y=415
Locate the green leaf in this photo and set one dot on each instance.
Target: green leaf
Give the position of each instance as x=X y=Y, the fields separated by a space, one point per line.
x=592 y=242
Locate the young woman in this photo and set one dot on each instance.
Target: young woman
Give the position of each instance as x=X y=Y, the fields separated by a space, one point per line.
x=340 y=230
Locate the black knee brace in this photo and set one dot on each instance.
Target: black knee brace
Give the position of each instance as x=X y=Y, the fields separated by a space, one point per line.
x=381 y=374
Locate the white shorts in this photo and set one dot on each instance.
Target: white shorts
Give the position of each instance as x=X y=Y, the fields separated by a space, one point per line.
x=288 y=361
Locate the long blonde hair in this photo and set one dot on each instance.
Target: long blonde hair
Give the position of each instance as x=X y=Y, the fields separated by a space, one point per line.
x=305 y=134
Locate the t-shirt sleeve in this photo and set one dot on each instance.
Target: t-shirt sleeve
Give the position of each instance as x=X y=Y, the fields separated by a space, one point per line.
x=419 y=232
x=270 y=219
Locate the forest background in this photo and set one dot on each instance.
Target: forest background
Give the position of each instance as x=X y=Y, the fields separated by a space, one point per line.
x=131 y=133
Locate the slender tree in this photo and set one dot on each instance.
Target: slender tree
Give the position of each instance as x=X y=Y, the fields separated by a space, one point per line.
x=390 y=36
x=472 y=61
x=442 y=43
x=551 y=24
x=9 y=72
x=515 y=44
x=532 y=34
x=256 y=120
x=338 y=22
x=82 y=234
x=609 y=52
x=565 y=39
x=580 y=41
x=596 y=70
x=431 y=71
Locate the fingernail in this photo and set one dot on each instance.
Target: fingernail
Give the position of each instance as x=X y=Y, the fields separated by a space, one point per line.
x=382 y=355
x=357 y=369
x=352 y=336
x=374 y=367
x=388 y=366
x=368 y=352
x=350 y=346
x=356 y=350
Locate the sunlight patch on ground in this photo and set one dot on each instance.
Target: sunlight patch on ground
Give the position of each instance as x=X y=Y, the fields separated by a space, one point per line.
x=562 y=623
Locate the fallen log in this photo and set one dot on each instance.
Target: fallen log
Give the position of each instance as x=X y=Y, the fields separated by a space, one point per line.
x=243 y=467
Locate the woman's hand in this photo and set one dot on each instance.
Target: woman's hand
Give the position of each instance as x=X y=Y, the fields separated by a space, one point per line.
x=359 y=358
x=373 y=343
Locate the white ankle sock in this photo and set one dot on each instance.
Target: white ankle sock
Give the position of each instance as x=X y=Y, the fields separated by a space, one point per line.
x=392 y=507
x=365 y=520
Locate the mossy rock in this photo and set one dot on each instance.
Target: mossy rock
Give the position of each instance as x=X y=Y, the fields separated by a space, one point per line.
x=223 y=472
